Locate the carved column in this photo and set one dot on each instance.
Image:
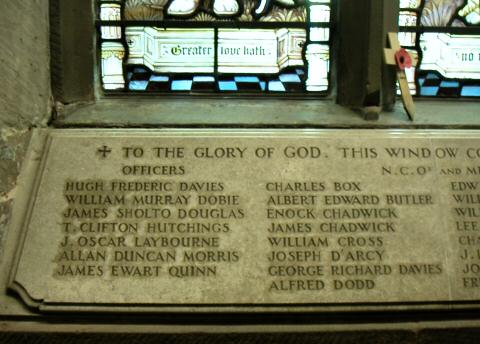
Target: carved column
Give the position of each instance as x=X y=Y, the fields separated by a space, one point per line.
x=318 y=47
x=113 y=49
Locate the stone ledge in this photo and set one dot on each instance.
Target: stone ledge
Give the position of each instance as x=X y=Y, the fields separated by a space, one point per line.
x=270 y=113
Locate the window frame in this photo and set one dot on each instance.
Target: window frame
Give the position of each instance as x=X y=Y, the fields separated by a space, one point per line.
x=418 y=29
x=215 y=25
x=357 y=82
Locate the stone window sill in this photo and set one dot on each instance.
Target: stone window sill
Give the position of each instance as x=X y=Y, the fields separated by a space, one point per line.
x=261 y=113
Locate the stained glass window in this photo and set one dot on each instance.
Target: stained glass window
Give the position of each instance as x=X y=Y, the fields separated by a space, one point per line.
x=446 y=36
x=222 y=46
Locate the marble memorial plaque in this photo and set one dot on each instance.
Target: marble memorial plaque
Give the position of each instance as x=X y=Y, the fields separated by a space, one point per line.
x=250 y=220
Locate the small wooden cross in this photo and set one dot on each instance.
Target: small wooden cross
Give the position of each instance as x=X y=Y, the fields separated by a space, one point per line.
x=396 y=55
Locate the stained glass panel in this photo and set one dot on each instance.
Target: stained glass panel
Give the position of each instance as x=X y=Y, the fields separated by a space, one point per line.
x=266 y=46
x=446 y=36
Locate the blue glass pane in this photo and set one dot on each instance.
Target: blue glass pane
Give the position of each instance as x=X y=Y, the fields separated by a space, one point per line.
x=290 y=78
x=429 y=91
x=471 y=91
x=140 y=85
x=449 y=84
x=246 y=79
x=203 y=79
x=276 y=86
x=159 y=78
x=227 y=86
x=181 y=85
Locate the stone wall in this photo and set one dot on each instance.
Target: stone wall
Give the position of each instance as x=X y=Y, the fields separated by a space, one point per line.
x=25 y=88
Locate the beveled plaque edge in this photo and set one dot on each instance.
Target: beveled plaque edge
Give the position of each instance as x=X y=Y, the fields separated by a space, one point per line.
x=28 y=183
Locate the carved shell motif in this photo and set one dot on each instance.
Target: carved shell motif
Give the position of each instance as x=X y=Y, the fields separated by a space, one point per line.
x=441 y=12
x=144 y=9
x=279 y=14
x=154 y=10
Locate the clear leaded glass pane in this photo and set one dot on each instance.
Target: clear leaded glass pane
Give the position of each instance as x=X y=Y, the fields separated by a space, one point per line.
x=266 y=46
x=446 y=36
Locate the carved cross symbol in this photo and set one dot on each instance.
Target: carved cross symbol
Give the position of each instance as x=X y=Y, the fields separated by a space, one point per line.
x=104 y=151
x=399 y=57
